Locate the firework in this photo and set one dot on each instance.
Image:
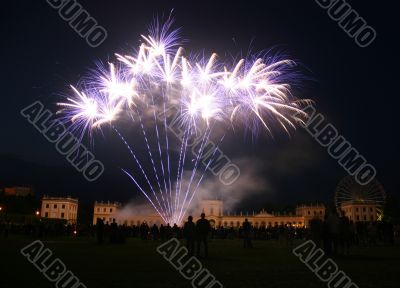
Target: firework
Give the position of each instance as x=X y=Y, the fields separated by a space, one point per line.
x=254 y=92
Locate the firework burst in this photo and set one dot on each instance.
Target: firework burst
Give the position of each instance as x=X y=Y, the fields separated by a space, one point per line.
x=254 y=92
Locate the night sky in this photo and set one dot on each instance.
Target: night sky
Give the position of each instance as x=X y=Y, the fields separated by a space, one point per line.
x=353 y=87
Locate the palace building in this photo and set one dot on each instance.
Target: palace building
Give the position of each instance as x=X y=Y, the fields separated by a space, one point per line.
x=67 y=208
x=60 y=208
x=213 y=209
x=360 y=211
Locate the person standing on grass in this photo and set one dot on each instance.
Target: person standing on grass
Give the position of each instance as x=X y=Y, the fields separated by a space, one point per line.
x=99 y=230
x=155 y=232
x=247 y=234
x=189 y=232
x=202 y=229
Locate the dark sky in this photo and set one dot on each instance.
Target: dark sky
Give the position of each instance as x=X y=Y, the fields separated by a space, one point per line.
x=353 y=87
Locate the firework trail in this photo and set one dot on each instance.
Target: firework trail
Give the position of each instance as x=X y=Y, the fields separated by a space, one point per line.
x=253 y=92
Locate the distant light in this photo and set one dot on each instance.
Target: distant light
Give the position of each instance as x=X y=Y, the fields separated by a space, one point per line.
x=37 y=213
x=74 y=232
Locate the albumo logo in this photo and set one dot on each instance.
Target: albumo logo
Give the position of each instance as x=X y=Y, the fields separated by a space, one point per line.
x=348 y=19
x=338 y=147
x=80 y=20
x=66 y=143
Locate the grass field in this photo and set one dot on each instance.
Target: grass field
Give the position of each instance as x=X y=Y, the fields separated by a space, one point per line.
x=137 y=264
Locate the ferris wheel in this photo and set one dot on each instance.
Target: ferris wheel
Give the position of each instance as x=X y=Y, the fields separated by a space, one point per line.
x=349 y=190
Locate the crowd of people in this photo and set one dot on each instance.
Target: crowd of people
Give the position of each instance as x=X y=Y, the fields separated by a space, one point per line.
x=335 y=233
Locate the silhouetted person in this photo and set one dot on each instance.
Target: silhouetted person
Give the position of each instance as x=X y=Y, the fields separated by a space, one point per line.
x=333 y=222
x=189 y=232
x=325 y=236
x=144 y=231
x=202 y=229
x=99 y=230
x=113 y=232
x=162 y=232
x=175 y=231
x=345 y=234
x=168 y=231
x=315 y=231
x=247 y=234
x=154 y=232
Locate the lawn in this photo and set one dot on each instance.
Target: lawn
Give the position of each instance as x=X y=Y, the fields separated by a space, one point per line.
x=137 y=264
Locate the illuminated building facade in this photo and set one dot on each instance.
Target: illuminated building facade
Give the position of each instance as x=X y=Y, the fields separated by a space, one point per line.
x=214 y=212
x=360 y=211
x=60 y=208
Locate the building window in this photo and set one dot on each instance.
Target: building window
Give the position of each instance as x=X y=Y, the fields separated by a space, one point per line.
x=315 y=213
x=110 y=210
x=365 y=218
x=212 y=211
x=62 y=215
x=55 y=205
x=363 y=209
x=47 y=205
x=358 y=218
x=309 y=212
x=320 y=212
x=357 y=209
x=46 y=214
x=104 y=209
x=370 y=209
x=98 y=209
x=63 y=206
